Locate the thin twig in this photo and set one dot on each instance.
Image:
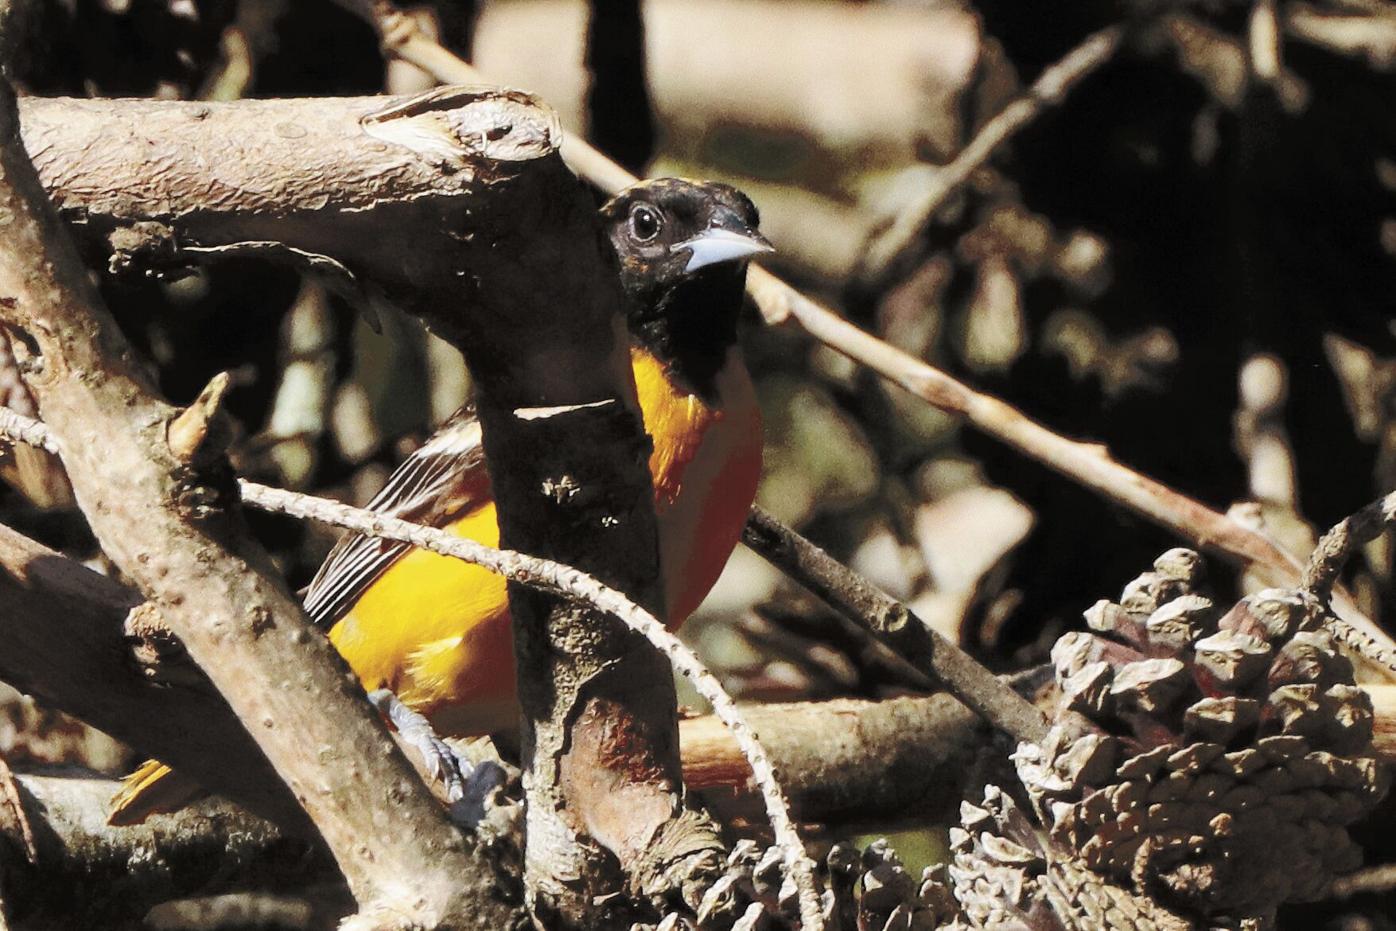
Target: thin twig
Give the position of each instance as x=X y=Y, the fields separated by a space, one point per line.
x=550 y=577
x=1086 y=463
x=1333 y=551
x=1050 y=88
x=1336 y=546
x=889 y=620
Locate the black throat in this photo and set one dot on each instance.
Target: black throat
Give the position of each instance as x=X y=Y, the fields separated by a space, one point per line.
x=691 y=327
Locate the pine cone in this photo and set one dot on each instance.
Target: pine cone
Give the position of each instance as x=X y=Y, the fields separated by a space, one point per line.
x=1210 y=760
x=1009 y=875
x=865 y=890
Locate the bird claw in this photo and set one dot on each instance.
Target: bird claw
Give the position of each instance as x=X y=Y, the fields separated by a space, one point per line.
x=441 y=760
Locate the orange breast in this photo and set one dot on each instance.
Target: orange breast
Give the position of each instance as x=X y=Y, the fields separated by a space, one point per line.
x=437 y=631
x=706 y=464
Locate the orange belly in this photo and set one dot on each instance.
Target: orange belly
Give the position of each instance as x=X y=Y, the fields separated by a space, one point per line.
x=437 y=631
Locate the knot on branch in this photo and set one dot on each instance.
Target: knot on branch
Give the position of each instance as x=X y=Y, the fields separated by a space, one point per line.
x=454 y=127
x=145 y=244
x=157 y=651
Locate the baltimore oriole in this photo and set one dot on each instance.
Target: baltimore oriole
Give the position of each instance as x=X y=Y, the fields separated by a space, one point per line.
x=436 y=631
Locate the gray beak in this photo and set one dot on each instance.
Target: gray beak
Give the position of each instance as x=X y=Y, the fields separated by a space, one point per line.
x=717 y=244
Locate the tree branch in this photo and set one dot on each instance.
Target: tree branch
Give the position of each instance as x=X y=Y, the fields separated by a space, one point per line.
x=848 y=761
x=890 y=621
x=845 y=762
x=1050 y=88
x=314 y=181
x=550 y=577
x=330 y=176
x=165 y=522
x=1334 y=550
x=63 y=624
x=81 y=870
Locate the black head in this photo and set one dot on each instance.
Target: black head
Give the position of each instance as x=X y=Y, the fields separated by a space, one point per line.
x=682 y=247
x=667 y=231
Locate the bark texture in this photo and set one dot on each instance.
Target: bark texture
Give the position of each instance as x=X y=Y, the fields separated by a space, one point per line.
x=568 y=454
x=63 y=626
x=77 y=869
x=849 y=760
x=347 y=186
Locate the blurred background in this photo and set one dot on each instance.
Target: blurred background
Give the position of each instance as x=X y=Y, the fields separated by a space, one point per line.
x=1191 y=258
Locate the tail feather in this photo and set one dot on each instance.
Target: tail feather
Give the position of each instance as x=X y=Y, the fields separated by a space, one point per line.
x=153 y=788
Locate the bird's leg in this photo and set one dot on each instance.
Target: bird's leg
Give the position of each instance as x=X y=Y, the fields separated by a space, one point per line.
x=467 y=785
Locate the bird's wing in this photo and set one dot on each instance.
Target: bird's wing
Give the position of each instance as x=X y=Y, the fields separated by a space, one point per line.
x=444 y=478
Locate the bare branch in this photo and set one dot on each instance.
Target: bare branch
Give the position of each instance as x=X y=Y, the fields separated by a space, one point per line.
x=1050 y=88
x=208 y=847
x=402 y=38
x=893 y=623
x=63 y=624
x=328 y=176
x=1334 y=550
x=849 y=761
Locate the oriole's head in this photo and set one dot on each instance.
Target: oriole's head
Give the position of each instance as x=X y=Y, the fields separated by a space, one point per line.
x=683 y=248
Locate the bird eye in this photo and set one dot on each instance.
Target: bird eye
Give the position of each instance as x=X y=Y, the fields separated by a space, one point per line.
x=644 y=223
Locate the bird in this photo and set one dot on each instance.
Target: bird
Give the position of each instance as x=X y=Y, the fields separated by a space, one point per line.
x=432 y=634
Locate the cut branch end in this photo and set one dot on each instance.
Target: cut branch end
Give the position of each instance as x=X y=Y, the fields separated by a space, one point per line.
x=201 y=432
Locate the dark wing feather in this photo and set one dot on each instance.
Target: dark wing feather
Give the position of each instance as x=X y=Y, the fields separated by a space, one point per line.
x=445 y=477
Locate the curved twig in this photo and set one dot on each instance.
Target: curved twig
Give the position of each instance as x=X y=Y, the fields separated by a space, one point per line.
x=1333 y=551
x=1336 y=546
x=551 y=577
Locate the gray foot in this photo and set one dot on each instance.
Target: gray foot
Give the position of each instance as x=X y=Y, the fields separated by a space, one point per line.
x=468 y=786
x=441 y=759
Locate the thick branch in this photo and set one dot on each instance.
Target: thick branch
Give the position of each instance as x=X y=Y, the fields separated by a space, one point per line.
x=163 y=521
x=847 y=761
x=81 y=870
x=321 y=177
x=62 y=626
